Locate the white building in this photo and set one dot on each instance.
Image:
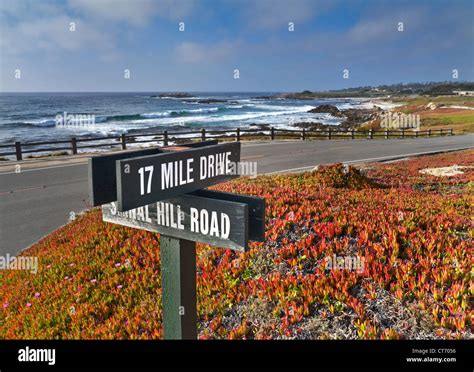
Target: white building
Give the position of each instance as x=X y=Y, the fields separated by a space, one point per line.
x=464 y=92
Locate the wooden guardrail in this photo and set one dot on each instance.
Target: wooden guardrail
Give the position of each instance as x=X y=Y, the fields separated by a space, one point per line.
x=74 y=144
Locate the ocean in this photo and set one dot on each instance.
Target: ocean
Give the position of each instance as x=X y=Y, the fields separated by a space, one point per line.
x=31 y=117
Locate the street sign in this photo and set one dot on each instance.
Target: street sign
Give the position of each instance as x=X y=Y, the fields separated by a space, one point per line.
x=147 y=179
x=212 y=221
x=102 y=174
x=162 y=190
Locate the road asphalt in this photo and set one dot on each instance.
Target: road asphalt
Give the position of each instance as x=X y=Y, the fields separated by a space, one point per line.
x=47 y=193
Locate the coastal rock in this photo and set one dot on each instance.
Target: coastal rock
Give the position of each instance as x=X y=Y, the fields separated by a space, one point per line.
x=433 y=106
x=207 y=100
x=329 y=109
x=173 y=95
x=312 y=126
x=356 y=117
x=263 y=97
x=305 y=95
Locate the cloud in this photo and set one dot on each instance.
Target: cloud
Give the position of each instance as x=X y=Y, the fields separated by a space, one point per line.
x=190 y=52
x=53 y=34
x=136 y=12
x=16 y=10
x=384 y=28
x=272 y=14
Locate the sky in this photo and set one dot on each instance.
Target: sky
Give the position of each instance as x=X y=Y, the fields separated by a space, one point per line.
x=231 y=45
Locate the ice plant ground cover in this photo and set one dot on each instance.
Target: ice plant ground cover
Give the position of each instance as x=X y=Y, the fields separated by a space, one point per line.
x=412 y=231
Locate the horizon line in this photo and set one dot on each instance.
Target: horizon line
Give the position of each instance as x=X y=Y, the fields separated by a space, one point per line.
x=246 y=91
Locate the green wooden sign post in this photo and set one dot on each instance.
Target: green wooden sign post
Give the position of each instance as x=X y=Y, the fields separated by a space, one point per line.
x=178 y=283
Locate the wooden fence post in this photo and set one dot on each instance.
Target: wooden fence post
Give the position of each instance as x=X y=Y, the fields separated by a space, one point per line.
x=238 y=134
x=18 y=150
x=329 y=133
x=429 y=132
x=178 y=283
x=441 y=132
x=386 y=133
x=124 y=141
x=203 y=134
x=352 y=134
x=165 y=138
x=74 y=145
x=303 y=134
x=272 y=133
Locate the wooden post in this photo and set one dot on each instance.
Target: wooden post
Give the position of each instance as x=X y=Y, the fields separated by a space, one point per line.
x=178 y=283
x=124 y=141
x=329 y=133
x=352 y=133
x=74 y=145
x=429 y=132
x=303 y=134
x=203 y=134
x=165 y=138
x=18 y=150
x=238 y=134
x=371 y=134
x=272 y=133
x=386 y=133
x=441 y=132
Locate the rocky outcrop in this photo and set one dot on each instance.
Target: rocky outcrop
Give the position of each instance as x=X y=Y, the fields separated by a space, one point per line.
x=433 y=106
x=329 y=109
x=356 y=117
x=305 y=95
x=312 y=126
x=173 y=95
x=353 y=117
x=207 y=100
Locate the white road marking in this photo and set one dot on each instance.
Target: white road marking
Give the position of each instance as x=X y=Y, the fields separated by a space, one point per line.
x=369 y=159
x=252 y=157
x=43 y=168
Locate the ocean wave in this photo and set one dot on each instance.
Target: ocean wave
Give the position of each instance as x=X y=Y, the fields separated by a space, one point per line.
x=34 y=123
x=175 y=113
x=225 y=118
x=180 y=117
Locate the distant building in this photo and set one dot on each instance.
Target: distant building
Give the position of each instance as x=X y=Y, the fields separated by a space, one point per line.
x=464 y=92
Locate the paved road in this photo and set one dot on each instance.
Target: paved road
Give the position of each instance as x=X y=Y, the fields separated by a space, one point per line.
x=44 y=194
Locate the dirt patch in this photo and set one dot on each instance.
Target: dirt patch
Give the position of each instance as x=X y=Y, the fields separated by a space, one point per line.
x=453 y=170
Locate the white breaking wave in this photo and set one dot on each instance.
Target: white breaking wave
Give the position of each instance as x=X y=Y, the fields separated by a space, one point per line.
x=153 y=115
x=41 y=122
x=224 y=118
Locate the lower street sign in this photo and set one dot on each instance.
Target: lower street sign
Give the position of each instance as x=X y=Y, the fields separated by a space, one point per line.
x=212 y=221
